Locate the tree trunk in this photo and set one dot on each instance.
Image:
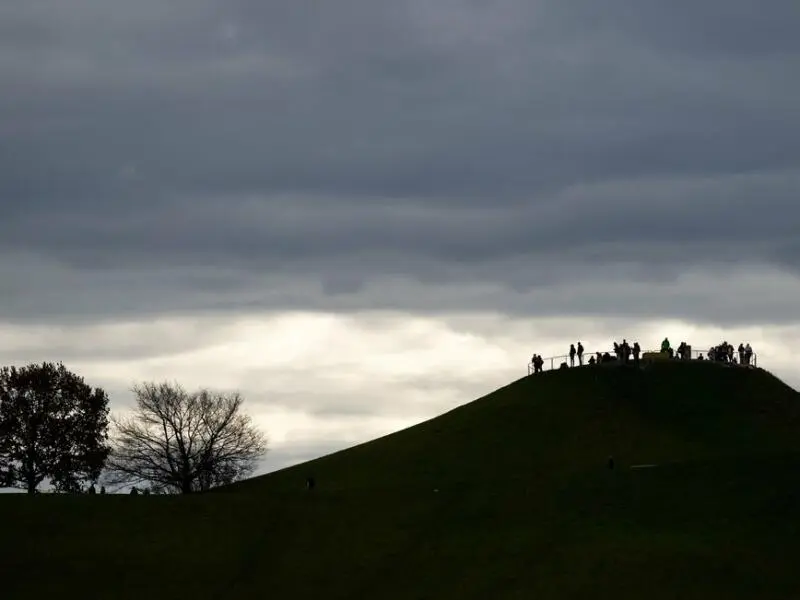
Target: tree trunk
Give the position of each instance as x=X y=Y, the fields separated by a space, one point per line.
x=29 y=471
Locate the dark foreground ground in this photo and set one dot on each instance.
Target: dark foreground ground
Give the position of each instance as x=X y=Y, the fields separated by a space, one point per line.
x=525 y=507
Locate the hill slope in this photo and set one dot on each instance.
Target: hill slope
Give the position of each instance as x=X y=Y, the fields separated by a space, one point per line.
x=525 y=505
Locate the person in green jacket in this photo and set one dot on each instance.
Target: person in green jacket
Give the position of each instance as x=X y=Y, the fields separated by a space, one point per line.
x=665 y=347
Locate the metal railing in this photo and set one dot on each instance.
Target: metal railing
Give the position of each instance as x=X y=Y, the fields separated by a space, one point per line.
x=556 y=361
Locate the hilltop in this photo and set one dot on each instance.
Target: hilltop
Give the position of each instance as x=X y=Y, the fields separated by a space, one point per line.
x=508 y=496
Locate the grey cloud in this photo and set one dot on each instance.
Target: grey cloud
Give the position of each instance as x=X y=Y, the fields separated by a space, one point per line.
x=548 y=285
x=414 y=397
x=753 y=209
x=736 y=29
x=203 y=155
x=116 y=342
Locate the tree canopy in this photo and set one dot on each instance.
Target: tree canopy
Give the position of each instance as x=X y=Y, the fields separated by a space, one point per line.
x=184 y=442
x=53 y=426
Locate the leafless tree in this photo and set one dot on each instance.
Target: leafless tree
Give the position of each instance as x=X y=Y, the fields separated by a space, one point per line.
x=183 y=442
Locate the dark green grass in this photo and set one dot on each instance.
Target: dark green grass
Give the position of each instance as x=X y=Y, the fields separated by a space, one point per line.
x=526 y=507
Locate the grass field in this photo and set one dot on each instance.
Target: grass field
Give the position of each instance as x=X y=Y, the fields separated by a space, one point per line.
x=526 y=506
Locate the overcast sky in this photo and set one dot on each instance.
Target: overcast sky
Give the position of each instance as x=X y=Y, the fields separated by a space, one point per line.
x=361 y=214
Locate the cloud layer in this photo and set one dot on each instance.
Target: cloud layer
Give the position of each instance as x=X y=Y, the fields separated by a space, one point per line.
x=208 y=154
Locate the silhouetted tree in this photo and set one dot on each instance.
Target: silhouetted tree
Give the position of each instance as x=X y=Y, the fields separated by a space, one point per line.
x=52 y=426
x=184 y=442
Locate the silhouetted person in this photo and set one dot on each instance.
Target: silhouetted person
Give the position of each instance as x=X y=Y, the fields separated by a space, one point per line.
x=102 y=490
x=741 y=353
x=611 y=462
x=580 y=354
x=146 y=491
x=592 y=360
x=134 y=491
x=572 y=353
x=637 y=350
x=748 y=354
x=310 y=483
x=91 y=490
x=626 y=351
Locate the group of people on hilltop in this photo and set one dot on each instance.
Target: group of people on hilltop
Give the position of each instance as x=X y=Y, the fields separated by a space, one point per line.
x=623 y=352
x=684 y=351
x=538 y=363
x=725 y=353
x=626 y=353
x=573 y=352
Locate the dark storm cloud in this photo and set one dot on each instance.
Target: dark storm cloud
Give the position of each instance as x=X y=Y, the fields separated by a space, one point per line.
x=191 y=154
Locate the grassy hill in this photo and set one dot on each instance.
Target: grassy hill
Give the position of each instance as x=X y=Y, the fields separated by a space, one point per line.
x=525 y=507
